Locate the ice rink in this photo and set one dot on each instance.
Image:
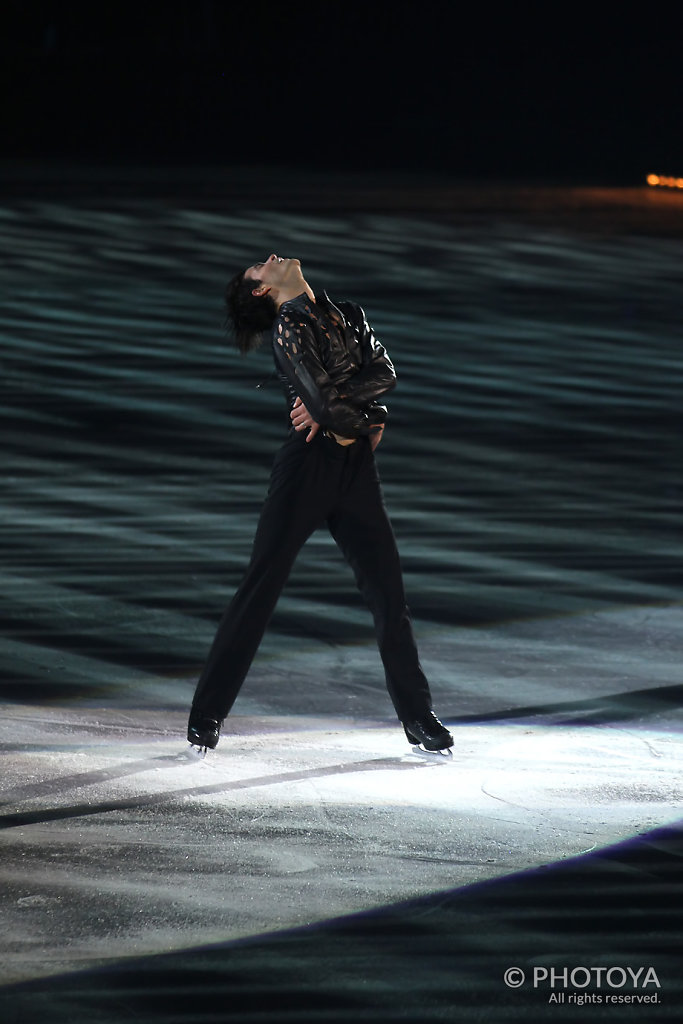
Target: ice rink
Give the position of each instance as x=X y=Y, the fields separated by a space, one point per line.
x=315 y=867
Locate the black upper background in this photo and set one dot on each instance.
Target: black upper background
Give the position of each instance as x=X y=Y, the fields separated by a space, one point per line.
x=543 y=92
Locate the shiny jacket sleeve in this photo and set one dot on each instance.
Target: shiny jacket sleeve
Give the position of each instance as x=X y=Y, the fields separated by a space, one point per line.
x=376 y=375
x=297 y=357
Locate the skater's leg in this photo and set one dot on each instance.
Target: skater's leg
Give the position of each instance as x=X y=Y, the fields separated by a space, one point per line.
x=244 y=622
x=361 y=528
x=295 y=506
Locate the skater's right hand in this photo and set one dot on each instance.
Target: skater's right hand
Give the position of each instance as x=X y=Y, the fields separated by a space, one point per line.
x=377 y=431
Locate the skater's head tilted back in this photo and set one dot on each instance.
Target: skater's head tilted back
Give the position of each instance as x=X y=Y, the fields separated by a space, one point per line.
x=253 y=297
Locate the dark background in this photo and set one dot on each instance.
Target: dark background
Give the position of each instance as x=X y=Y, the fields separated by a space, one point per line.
x=552 y=93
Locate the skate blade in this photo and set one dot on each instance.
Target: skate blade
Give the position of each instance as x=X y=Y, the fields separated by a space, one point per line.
x=421 y=751
x=197 y=753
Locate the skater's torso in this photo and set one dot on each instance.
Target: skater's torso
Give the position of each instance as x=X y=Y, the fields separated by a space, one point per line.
x=327 y=355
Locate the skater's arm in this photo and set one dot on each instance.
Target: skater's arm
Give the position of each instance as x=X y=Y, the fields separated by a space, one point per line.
x=376 y=375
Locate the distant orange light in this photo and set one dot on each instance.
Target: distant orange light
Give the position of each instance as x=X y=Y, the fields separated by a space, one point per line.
x=664 y=181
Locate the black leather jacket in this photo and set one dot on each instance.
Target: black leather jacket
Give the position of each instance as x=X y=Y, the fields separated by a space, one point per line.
x=328 y=356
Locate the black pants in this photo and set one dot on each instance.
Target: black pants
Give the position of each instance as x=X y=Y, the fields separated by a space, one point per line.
x=311 y=484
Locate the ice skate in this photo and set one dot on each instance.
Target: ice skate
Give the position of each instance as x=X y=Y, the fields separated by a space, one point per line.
x=203 y=732
x=428 y=733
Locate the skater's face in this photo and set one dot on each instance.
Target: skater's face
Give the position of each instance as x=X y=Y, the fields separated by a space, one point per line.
x=275 y=273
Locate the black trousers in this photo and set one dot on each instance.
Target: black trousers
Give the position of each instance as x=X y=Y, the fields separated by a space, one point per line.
x=312 y=484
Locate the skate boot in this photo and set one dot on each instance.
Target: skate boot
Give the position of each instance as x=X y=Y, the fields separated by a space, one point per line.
x=428 y=731
x=203 y=731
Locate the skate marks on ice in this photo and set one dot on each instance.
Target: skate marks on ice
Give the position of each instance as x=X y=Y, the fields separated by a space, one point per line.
x=106 y=741
x=184 y=760
x=290 y=822
x=168 y=844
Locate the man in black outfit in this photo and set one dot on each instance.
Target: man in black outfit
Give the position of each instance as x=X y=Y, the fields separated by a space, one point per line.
x=334 y=372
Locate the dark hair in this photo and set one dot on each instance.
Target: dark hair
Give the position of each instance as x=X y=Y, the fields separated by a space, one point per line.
x=247 y=316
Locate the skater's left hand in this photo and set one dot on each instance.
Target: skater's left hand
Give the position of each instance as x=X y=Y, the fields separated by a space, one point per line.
x=301 y=418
